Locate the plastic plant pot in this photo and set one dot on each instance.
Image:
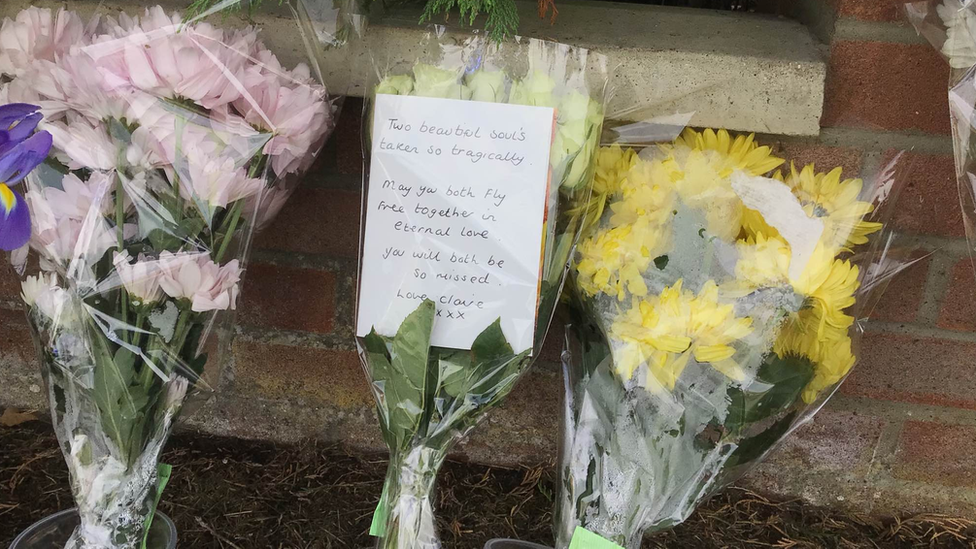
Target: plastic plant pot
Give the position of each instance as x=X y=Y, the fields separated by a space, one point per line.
x=512 y=544
x=53 y=532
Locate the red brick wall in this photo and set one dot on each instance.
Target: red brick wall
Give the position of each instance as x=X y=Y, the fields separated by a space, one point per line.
x=898 y=436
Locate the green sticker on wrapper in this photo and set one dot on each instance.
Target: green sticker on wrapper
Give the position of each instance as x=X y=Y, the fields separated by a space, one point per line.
x=377 y=528
x=163 y=472
x=584 y=539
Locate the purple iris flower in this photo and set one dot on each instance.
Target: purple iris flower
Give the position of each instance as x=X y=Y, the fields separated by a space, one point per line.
x=17 y=122
x=21 y=150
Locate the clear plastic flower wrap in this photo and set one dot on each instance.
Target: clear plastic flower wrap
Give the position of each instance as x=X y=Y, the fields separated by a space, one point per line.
x=950 y=26
x=714 y=309
x=478 y=151
x=140 y=153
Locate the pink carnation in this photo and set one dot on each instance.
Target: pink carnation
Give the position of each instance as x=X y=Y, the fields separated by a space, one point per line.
x=214 y=181
x=61 y=241
x=140 y=279
x=83 y=145
x=36 y=33
x=75 y=85
x=158 y=54
x=77 y=199
x=291 y=107
x=194 y=277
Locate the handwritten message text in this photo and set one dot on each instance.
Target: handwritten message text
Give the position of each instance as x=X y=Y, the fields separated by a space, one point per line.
x=456 y=201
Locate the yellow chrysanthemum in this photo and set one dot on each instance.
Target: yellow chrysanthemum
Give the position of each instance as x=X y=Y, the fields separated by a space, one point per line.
x=612 y=165
x=701 y=166
x=753 y=224
x=742 y=153
x=645 y=193
x=828 y=347
x=763 y=262
x=828 y=284
x=665 y=331
x=820 y=330
x=835 y=361
x=835 y=201
x=613 y=260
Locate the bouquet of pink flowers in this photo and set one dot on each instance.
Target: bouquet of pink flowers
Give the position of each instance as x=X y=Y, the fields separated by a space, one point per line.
x=170 y=142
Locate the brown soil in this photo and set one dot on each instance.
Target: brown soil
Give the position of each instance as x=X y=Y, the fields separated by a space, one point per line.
x=233 y=494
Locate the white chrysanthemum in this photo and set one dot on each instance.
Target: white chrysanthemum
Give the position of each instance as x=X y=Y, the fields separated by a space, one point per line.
x=960 y=21
x=35 y=286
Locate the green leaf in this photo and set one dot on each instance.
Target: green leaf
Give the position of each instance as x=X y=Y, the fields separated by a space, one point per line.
x=784 y=378
x=375 y=344
x=119 y=132
x=495 y=363
x=752 y=448
x=560 y=257
x=191 y=227
x=377 y=528
x=163 y=240
x=411 y=345
x=490 y=344
x=391 y=394
x=163 y=473
x=661 y=262
x=112 y=376
x=456 y=373
x=198 y=364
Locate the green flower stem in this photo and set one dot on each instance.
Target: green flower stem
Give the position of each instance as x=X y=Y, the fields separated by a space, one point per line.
x=229 y=233
x=180 y=333
x=137 y=333
x=120 y=231
x=238 y=209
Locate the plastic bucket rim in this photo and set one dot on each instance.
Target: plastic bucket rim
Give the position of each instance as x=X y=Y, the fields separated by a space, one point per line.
x=159 y=515
x=527 y=544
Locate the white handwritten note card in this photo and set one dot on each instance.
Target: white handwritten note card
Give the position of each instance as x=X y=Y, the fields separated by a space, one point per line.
x=455 y=210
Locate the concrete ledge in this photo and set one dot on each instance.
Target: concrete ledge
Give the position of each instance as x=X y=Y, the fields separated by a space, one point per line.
x=739 y=71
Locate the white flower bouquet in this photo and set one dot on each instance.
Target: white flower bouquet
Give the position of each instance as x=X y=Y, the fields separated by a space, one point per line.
x=479 y=151
x=950 y=26
x=714 y=310
x=161 y=146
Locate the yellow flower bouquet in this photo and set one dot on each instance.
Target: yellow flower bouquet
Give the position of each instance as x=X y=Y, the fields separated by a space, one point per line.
x=713 y=309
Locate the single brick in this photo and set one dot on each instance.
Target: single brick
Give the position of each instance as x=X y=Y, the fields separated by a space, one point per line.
x=886 y=86
x=936 y=453
x=871 y=10
x=290 y=298
x=904 y=292
x=525 y=428
x=959 y=304
x=320 y=376
x=832 y=442
x=348 y=137
x=929 y=202
x=914 y=369
x=316 y=221
x=824 y=157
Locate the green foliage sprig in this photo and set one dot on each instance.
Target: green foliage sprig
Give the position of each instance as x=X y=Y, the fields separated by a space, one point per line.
x=502 y=22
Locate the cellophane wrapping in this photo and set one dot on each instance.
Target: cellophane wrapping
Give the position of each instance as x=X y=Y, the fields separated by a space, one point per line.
x=429 y=397
x=173 y=141
x=950 y=26
x=716 y=297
